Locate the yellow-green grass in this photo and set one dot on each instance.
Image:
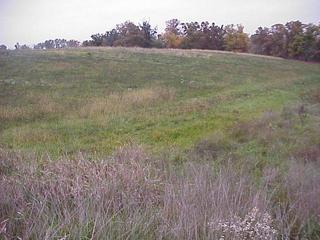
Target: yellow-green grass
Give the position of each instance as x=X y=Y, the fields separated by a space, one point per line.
x=96 y=99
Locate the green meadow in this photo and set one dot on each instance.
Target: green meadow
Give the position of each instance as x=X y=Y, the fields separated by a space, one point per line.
x=97 y=99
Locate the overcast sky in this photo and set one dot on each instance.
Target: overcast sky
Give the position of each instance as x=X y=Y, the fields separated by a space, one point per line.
x=33 y=21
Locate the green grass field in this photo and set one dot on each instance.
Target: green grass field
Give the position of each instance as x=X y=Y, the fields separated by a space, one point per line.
x=95 y=100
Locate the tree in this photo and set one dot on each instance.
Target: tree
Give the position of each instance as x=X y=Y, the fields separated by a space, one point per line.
x=172 y=40
x=173 y=26
x=73 y=43
x=97 y=39
x=87 y=43
x=202 y=36
x=261 y=41
x=192 y=36
x=216 y=37
x=235 y=38
x=173 y=34
x=24 y=47
x=57 y=44
x=110 y=38
x=279 y=40
x=49 y=44
x=126 y=34
x=60 y=43
x=39 y=46
x=130 y=35
x=311 y=43
x=17 y=46
x=158 y=42
x=3 y=47
x=295 y=39
x=149 y=33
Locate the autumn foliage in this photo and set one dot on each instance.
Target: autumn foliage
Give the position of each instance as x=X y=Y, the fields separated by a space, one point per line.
x=294 y=40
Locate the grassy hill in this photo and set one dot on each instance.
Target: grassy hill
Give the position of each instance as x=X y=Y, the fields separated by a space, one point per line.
x=112 y=143
x=95 y=100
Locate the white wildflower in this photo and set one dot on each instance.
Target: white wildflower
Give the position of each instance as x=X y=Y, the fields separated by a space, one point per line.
x=254 y=225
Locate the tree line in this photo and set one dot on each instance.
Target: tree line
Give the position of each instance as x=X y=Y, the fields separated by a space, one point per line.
x=291 y=40
x=50 y=44
x=193 y=35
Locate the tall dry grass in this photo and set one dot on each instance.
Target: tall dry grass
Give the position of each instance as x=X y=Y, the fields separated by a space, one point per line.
x=114 y=104
x=117 y=103
x=131 y=196
x=77 y=198
x=298 y=208
x=33 y=107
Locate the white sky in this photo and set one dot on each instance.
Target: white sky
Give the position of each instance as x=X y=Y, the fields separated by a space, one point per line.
x=33 y=21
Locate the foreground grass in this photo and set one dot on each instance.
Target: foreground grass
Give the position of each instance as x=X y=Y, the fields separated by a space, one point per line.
x=96 y=100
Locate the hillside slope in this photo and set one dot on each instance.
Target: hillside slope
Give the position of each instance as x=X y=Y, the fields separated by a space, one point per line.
x=96 y=99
